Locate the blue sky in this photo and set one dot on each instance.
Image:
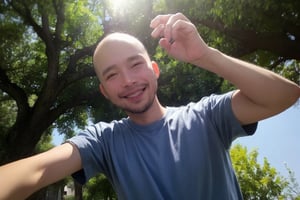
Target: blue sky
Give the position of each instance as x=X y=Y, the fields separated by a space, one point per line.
x=277 y=139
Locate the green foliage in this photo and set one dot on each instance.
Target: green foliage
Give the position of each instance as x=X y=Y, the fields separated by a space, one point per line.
x=256 y=181
x=289 y=69
x=262 y=32
x=39 y=37
x=84 y=25
x=44 y=144
x=246 y=12
x=7 y=113
x=32 y=29
x=98 y=188
x=45 y=58
x=293 y=189
x=181 y=83
x=69 y=198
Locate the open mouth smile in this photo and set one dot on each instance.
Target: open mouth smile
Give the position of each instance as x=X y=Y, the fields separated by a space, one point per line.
x=134 y=94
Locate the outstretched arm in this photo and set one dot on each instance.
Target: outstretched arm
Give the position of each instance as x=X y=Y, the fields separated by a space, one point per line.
x=261 y=93
x=20 y=179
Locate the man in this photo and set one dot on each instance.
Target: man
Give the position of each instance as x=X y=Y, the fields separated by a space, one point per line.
x=160 y=152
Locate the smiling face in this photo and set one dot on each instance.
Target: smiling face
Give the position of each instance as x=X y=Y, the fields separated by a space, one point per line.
x=128 y=77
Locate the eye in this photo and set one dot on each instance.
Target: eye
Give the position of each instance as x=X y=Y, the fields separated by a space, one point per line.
x=137 y=64
x=110 y=76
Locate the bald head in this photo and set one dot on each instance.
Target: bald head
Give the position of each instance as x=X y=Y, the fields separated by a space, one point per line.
x=115 y=47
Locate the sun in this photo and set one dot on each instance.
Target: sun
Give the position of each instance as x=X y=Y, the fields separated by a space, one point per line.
x=118 y=6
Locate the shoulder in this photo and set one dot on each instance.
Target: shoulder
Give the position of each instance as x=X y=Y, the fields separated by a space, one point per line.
x=217 y=99
x=102 y=130
x=108 y=127
x=206 y=103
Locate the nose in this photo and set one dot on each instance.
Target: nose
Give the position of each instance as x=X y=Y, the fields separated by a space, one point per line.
x=128 y=79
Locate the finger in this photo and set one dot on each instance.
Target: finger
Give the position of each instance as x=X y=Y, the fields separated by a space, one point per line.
x=182 y=28
x=173 y=20
x=159 y=19
x=158 y=31
x=164 y=43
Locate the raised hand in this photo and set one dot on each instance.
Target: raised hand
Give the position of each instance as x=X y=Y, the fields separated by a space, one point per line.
x=179 y=37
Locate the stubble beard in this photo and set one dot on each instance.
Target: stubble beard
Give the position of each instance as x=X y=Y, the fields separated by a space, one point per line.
x=132 y=110
x=141 y=110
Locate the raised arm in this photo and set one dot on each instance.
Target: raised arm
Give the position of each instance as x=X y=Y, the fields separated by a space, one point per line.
x=261 y=93
x=20 y=179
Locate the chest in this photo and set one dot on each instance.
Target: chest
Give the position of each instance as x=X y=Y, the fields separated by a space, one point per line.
x=166 y=159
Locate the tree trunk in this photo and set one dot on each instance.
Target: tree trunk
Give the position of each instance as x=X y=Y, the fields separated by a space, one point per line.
x=78 y=191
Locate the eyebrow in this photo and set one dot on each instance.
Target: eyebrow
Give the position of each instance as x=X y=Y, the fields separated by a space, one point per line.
x=129 y=59
x=135 y=57
x=108 y=69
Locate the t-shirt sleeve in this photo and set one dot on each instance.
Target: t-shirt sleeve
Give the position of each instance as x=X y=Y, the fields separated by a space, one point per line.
x=90 y=145
x=219 y=110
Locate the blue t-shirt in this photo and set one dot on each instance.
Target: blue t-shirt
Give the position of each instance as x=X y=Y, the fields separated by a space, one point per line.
x=184 y=155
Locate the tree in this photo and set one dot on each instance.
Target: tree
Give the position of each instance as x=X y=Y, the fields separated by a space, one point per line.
x=52 y=83
x=99 y=188
x=59 y=37
x=263 y=32
x=257 y=181
x=46 y=69
x=46 y=75
x=293 y=189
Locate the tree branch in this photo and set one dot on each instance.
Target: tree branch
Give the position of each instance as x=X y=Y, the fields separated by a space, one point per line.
x=68 y=79
x=276 y=63
x=27 y=18
x=45 y=34
x=78 y=100
x=277 y=42
x=59 y=9
x=80 y=53
x=71 y=75
x=16 y=93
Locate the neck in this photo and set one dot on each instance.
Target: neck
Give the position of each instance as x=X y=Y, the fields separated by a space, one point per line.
x=154 y=113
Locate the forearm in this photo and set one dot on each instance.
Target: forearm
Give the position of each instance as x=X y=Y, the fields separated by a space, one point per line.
x=261 y=86
x=20 y=179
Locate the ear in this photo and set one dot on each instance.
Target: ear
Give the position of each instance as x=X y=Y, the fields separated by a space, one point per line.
x=102 y=90
x=155 y=68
